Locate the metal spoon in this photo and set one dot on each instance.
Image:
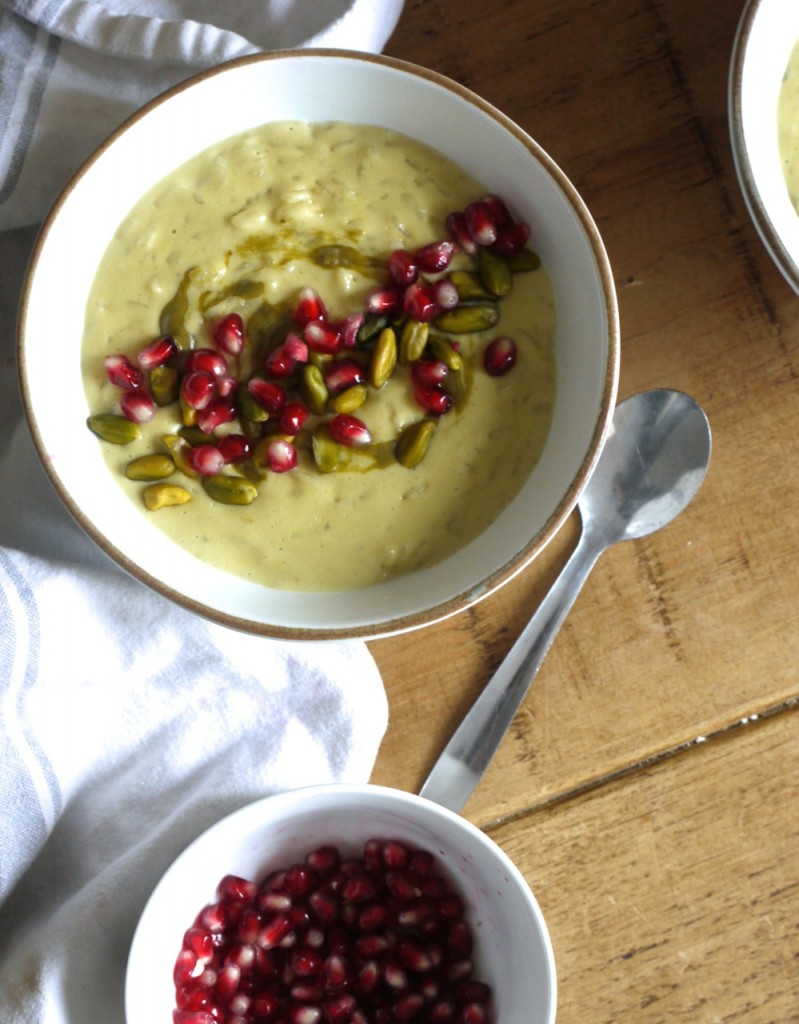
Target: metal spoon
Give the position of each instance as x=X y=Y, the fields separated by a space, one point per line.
x=652 y=464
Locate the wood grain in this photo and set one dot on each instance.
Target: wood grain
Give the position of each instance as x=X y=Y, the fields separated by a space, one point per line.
x=659 y=831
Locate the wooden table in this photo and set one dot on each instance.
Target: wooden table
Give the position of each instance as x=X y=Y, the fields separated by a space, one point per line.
x=648 y=787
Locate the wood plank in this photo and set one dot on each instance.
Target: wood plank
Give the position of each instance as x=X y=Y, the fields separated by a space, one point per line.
x=671 y=894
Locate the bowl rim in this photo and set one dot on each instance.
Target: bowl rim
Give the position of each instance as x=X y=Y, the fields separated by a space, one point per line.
x=769 y=234
x=398 y=801
x=403 y=622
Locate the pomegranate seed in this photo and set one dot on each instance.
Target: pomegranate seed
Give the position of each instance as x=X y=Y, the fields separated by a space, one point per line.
x=193 y=1017
x=299 y=879
x=264 y=1004
x=456 y=225
x=336 y=972
x=395 y=976
x=480 y=222
x=341 y=374
x=451 y=906
x=218 y=411
x=305 y=963
x=281 y=455
x=197 y=389
x=440 y=1012
x=309 y=307
x=200 y=942
x=206 y=459
x=459 y=938
x=421 y=863
x=295 y=348
x=293 y=417
x=351 y=432
x=229 y=334
x=305 y=1014
x=372 y=917
x=475 y=992
x=433 y=400
x=214 y=917
x=273 y=900
x=460 y=970
x=322 y=337
x=511 y=238
x=368 y=977
x=402 y=886
x=414 y=957
x=279 y=363
x=267 y=394
x=157 y=352
x=207 y=361
x=436 y=256
x=242 y=956
x=323 y=859
x=122 y=373
x=226 y=386
x=249 y=926
x=474 y=1013
x=403 y=267
x=386 y=299
x=419 y=301
x=348 y=329
x=188 y=966
x=373 y=855
x=408 y=1006
x=445 y=293
x=500 y=356
x=415 y=915
x=228 y=981
x=194 y=997
x=339 y=1008
x=429 y=372
x=275 y=929
x=371 y=945
x=234 y=447
x=499 y=211
x=137 y=406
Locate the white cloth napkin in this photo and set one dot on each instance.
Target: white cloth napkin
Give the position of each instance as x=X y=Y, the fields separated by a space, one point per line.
x=127 y=726
x=72 y=70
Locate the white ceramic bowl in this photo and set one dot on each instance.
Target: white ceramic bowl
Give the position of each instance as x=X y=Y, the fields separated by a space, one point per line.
x=767 y=33
x=513 y=952
x=319 y=86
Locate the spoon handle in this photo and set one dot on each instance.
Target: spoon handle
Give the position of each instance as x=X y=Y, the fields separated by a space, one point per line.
x=461 y=764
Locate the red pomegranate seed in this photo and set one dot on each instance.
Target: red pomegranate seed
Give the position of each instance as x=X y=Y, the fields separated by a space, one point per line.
x=157 y=353
x=373 y=855
x=475 y=992
x=336 y=972
x=264 y=1004
x=227 y=981
x=341 y=374
x=395 y=976
x=419 y=301
x=214 y=917
x=413 y=956
x=249 y=926
x=137 y=406
x=339 y=1008
x=293 y=417
x=305 y=963
x=282 y=455
x=451 y=906
x=499 y=210
x=511 y=238
x=372 y=917
x=188 y=966
x=415 y=915
x=305 y=1014
x=299 y=879
x=309 y=307
x=234 y=447
x=267 y=394
x=207 y=361
x=371 y=945
x=295 y=348
x=385 y=299
x=474 y=1013
x=436 y=256
x=122 y=373
x=226 y=386
x=348 y=329
x=440 y=1012
x=500 y=356
x=218 y=412
x=421 y=864
x=200 y=942
x=402 y=886
x=459 y=938
x=322 y=337
x=206 y=459
x=456 y=225
x=349 y=430
x=433 y=400
x=229 y=334
x=193 y=1017
x=324 y=858
x=324 y=905
x=480 y=222
x=368 y=977
x=403 y=267
x=429 y=372
x=197 y=389
x=194 y=997
x=279 y=363
x=408 y=1006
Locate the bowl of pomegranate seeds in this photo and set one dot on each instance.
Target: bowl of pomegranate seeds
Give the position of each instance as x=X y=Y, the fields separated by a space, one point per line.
x=337 y=346
x=351 y=904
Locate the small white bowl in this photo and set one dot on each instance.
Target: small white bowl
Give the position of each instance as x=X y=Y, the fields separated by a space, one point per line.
x=319 y=86
x=767 y=33
x=513 y=951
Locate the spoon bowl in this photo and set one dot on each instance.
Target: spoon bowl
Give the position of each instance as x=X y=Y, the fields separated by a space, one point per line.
x=652 y=464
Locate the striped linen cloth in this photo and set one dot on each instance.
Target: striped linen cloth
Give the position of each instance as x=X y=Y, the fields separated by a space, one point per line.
x=127 y=725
